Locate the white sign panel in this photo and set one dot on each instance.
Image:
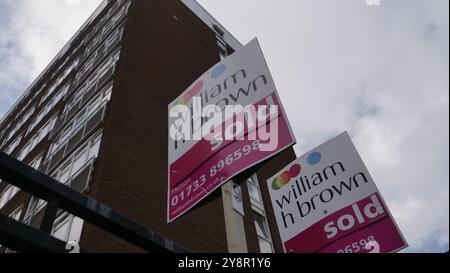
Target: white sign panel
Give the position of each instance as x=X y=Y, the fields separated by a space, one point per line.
x=208 y=143
x=326 y=201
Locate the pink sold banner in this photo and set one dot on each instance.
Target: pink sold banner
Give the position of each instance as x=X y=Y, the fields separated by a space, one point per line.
x=327 y=202
x=206 y=151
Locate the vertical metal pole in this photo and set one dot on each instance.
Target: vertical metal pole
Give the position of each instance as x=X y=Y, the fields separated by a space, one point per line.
x=49 y=216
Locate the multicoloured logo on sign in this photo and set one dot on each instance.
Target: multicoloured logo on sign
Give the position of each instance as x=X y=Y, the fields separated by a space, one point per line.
x=198 y=86
x=191 y=93
x=294 y=171
x=286 y=177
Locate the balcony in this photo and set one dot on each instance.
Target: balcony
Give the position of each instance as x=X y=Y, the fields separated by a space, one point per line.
x=92 y=123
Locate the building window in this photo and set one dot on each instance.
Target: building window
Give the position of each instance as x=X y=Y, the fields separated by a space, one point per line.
x=48 y=127
x=60 y=95
x=91 y=80
x=48 y=107
x=64 y=173
x=11 y=133
x=8 y=194
x=105 y=67
x=116 y=18
x=94 y=147
x=221 y=44
x=62 y=228
x=49 y=91
x=25 y=150
x=24 y=119
x=261 y=225
x=253 y=190
x=36 y=139
x=107 y=28
x=2 y=136
x=262 y=230
x=71 y=67
x=75 y=98
x=71 y=167
x=16 y=214
x=80 y=119
x=38 y=119
x=87 y=66
x=67 y=228
x=13 y=145
x=36 y=163
x=96 y=40
x=79 y=160
x=113 y=38
x=35 y=206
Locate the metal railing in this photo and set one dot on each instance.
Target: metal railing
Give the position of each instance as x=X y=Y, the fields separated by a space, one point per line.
x=21 y=237
x=79 y=182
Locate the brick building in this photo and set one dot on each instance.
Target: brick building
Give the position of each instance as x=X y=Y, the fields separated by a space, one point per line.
x=96 y=120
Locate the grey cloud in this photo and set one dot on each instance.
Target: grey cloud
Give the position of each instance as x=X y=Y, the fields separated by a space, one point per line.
x=379 y=72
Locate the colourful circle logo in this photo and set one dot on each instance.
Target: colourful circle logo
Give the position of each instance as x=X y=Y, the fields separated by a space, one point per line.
x=198 y=86
x=218 y=71
x=286 y=176
x=191 y=93
x=314 y=158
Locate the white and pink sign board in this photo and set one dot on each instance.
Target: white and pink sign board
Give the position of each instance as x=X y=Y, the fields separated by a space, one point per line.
x=327 y=202
x=198 y=167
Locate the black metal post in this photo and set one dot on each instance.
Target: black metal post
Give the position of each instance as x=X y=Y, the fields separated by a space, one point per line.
x=49 y=216
x=23 y=238
x=45 y=187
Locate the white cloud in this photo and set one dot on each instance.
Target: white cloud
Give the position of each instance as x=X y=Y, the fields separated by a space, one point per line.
x=31 y=34
x=380 y=72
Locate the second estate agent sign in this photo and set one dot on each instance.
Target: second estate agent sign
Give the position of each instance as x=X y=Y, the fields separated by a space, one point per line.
x=326 y=201
x=227 y=121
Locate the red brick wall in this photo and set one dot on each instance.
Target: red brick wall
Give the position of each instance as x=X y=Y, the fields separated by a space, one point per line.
x=161 y=56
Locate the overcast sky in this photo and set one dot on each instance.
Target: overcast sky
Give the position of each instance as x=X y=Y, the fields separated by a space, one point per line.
x=380 y=72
